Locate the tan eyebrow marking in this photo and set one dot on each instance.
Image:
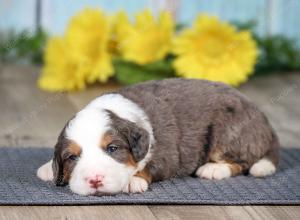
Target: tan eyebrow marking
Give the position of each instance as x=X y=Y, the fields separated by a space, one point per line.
x=74 y=148
x=106 y=140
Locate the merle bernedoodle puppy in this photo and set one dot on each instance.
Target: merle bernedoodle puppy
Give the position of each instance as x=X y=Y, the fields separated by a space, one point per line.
x=124 y=140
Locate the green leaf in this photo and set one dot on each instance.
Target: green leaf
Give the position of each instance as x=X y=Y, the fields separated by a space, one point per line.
x=180 y=26
x=129 y=73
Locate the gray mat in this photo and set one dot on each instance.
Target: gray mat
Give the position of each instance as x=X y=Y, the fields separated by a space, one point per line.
x=20 y=186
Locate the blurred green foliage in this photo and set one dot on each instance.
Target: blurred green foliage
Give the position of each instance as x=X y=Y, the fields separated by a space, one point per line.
x=24 y=45
x=277 y=53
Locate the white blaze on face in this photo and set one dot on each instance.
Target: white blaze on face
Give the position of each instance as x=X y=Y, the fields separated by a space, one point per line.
x=87 y=130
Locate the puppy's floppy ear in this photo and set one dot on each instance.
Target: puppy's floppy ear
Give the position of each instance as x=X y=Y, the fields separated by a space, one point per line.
x=138 y=139
x=58 y=166
x=45 y=172
x=53 y=170
x=58 y=163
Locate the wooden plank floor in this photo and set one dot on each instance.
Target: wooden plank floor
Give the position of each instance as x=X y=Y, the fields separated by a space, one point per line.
x=30 y=117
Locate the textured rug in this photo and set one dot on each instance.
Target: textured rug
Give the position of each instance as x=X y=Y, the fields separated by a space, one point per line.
x=20 y=186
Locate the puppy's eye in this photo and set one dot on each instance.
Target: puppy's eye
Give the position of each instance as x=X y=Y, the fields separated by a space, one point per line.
x=111 y=148
x=72 y=157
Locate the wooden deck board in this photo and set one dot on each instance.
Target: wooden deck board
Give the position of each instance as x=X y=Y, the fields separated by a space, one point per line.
x=76 y=212
x=30 y=117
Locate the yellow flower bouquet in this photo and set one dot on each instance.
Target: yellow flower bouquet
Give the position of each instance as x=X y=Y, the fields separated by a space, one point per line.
x=96 y=47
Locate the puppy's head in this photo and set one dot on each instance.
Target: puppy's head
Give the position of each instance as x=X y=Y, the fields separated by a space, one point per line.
x=97 y=153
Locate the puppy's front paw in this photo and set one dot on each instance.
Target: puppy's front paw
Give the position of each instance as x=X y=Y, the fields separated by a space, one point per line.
x=45 y=172
x=136 y=185
x=214 y=171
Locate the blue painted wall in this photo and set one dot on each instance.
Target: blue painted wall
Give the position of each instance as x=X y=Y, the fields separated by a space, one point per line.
x=273 y=16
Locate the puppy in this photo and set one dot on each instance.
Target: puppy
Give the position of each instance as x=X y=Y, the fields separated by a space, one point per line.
x=123 y=141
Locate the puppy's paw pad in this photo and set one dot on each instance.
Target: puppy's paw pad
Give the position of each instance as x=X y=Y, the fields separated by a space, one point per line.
x=136 y=185
x=216 y=171
x=45 y=172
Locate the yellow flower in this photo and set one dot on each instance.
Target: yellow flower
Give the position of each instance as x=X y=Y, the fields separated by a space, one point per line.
x=81 y=56
x=59 y=72
x=147 y=40
x=214 y=50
